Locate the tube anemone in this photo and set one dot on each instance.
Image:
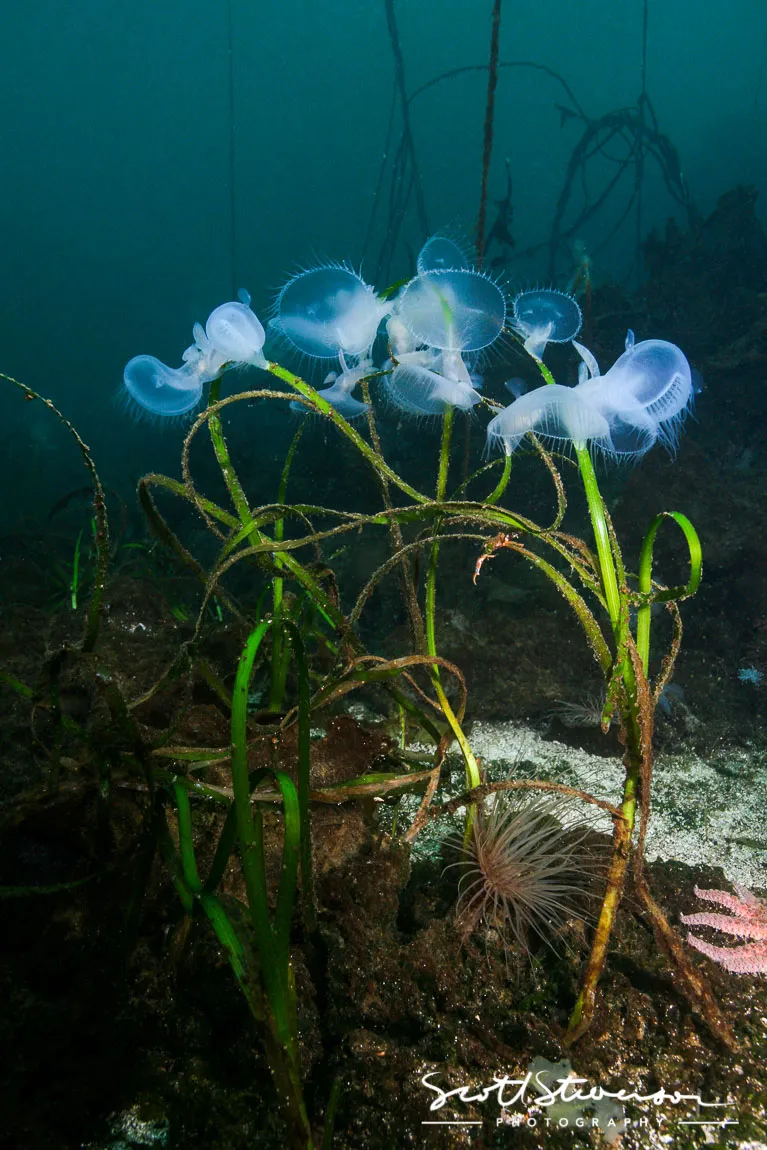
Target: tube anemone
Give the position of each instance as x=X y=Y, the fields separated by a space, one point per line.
x=523 y=871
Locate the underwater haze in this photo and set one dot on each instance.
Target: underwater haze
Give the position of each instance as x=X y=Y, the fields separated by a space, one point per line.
x=123 y=126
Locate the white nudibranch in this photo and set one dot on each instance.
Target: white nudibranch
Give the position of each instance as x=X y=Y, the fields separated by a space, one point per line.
x=440 y=316
x=650 y=385
x=339 y=388
x=545 y=316
x=441 y=254
x=643 y=398
x=232 y=337
x=236 y=334
x=159 y=390
x=455 y=310
x=554 y=412
x=328 y=310
x=417 y=390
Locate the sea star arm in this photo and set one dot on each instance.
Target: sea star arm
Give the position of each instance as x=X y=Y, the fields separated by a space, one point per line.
x=738 y=960
x=740 y=927
x=724 y=898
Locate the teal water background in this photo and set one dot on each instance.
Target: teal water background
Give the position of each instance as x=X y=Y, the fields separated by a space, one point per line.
x=115 y=181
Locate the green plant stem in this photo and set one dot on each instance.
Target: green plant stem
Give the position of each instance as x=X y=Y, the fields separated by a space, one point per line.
x=609 y=561
x=644 y=612
x=618 y=611
x=279 y=661
x=273 y=942
x=583 y=1010
x=250 y=836
x=598 y=521
x=431 y=574
x=257 y=537
x=472 y=767
x=409 y=594
x=327 y=409
x=304 y=777
x=75 y=580
x=503 y=482
x=601 y=536
x=93 y=617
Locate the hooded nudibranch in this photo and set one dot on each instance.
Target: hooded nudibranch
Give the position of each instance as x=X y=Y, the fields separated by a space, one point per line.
x=417 y=390
x=640 y=400
x=440 y=254
x=160 y=390
x=339 y=387
x=232 y=337
x=554 y=412
x=452 y=310
x=545 y=316
x=236 y=334
x=649 y=388
x=328 y=310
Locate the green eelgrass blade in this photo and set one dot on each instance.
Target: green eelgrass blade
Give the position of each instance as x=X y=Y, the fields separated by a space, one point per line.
x=670 y=593
x=16 y=685
x=304 y=771
x=93 y=616
x=53 y=888
x=280 y=657
x=272 y=939
x=75 y=580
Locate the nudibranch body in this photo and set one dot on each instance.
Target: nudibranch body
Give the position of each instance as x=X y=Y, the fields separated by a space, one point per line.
x=455 y=310
x=159 y=390
x=640 y=400
x=232 y=337
x=328 y=310
x=545 y=316
x=555 y=413
x=441 y=254
x=645 y=394
x=416 y=390
x=236 y=334
x=339 y=388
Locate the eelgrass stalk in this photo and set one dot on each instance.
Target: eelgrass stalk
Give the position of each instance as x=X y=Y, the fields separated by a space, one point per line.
x=74 y=582
x=269 y=963
x=472 y=767
x=250 y=529
x=633 y=699
x=637 y=728
x=279 y=657
x=272 y=941
x=101 y=534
